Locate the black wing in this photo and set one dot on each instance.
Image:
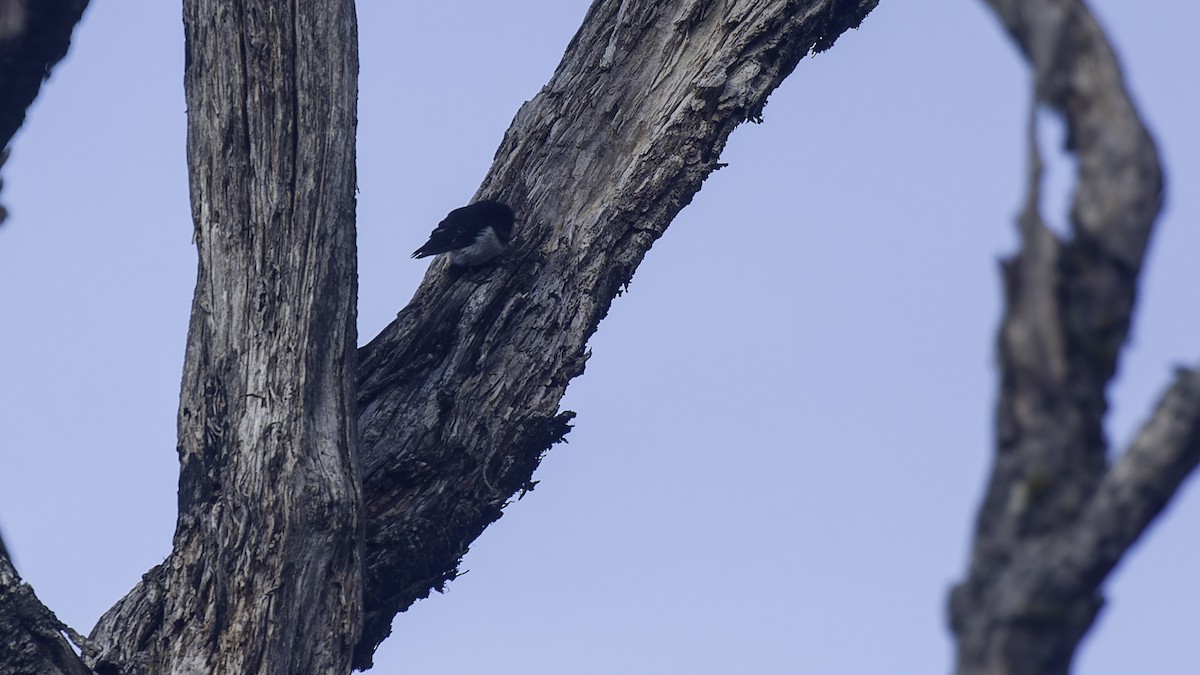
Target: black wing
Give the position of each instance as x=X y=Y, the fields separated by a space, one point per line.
x=460 y=228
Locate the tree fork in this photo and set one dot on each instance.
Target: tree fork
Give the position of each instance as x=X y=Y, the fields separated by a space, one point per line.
x=1056 y=517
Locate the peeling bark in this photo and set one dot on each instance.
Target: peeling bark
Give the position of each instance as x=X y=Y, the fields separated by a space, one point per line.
x=459 y=396
x=1056 y=518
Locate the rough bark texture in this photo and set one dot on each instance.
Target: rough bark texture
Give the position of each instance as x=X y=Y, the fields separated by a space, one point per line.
x=34 y=36
x=265 y=575
x=1056 y=518
x=459 y=396
x=31 y=637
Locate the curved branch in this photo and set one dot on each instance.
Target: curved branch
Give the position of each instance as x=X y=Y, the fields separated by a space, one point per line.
x=459 y=396
x=1055 y=519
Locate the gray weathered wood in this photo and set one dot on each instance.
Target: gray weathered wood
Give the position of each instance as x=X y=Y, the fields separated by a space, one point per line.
x=32 y=639
x=1056 y=518
x=265 y=574
x=459 y=396
x=463 y=390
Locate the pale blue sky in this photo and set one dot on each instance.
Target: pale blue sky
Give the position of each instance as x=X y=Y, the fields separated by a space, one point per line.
x=784 y=429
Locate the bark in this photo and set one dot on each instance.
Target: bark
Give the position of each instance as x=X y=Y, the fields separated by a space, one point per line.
x=34 y=36
x=265 y=574
x=34 y=640
x=461 y=392
x=1056 y=518
x=459 y=396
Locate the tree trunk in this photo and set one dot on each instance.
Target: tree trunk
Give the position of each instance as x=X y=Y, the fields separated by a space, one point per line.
x=458 y=398
x=265 y=575
x=460 y=394
x=1056 y=519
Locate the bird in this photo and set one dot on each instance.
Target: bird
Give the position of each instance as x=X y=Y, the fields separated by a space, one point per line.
x=471 y=235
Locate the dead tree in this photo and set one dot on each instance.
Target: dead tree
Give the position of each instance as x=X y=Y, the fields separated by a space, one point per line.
x=1056 y=517
x=324 y=489
x=458 y=399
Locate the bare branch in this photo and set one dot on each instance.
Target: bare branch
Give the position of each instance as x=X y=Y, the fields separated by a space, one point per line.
x=1055 y=520
x=459 y=396
x=1136 y=489
x=33 y=636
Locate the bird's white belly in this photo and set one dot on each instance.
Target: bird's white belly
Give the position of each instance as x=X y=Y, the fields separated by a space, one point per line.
x=486 y=246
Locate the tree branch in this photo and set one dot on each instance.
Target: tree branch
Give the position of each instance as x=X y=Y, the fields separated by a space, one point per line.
x=34 y=36
x=1135 y=490
x=33 y=636
x=265 y=571
x=1055 y=519
x=459 y=396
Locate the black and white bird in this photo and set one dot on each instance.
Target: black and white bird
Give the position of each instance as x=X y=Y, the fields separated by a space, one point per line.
x=471 y=235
